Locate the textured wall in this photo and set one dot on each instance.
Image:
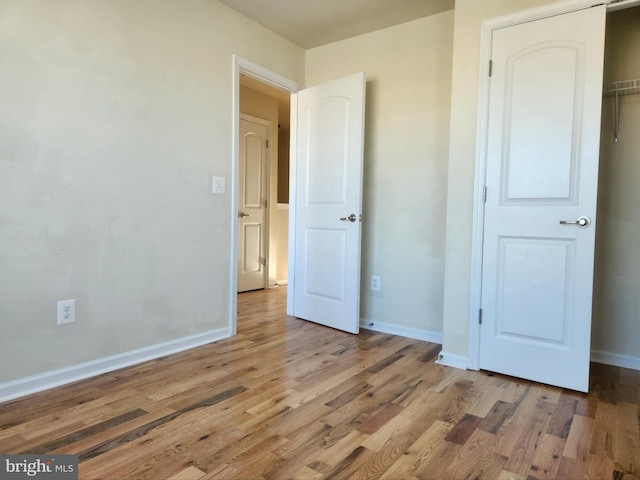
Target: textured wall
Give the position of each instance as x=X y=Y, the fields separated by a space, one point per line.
x=408 y=70
x=115 y=115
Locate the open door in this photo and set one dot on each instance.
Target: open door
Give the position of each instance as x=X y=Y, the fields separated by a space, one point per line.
x=328 y=203
x=541 y=190
x=252 y=203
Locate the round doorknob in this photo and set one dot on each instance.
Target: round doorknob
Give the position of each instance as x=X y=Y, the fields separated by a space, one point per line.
x=351 y=218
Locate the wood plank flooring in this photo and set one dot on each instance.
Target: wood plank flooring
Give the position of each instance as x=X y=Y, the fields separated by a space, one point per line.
x=290 y=399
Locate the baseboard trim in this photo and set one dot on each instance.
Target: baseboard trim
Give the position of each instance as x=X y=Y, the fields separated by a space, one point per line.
x=615 y=359
x=408 y=332
x=55 y=378
x=451 y=360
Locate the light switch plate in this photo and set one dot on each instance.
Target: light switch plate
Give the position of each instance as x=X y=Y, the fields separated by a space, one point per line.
x=219 y=185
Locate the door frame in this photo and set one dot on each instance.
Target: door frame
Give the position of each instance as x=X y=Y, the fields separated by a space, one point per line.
x=242 y=66
x=267 y=189
x=486 y=42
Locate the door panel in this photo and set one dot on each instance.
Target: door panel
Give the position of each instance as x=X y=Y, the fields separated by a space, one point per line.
x=253 y=165
x=548 y=101
x=328 y=261
x=328 y=157
x=251 y=251
x=519 y=312
x=542 y=167
x=330 y=141
x=252 y=270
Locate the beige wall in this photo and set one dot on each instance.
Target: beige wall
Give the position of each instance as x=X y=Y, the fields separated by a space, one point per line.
x=115 y=115
x=283 y=166
x=616 y=323
x=408 y=71
x=462 y=150
x=113 y=121
x=282 y=212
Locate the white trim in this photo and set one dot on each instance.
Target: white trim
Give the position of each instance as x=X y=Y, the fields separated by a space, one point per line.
x=451 y=360
x=622 y=4
x=63 y=376
x=282 y=206
x=265 y=75
x=487 y=28
x=233 y=184
x=551 y=10
x=409 y=332
x=293 y=172
x=254 y=119
x=478 y=206
x=243 y=66
x=615 y=359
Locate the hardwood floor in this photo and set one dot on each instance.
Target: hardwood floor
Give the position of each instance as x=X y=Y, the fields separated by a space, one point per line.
x=289 y=399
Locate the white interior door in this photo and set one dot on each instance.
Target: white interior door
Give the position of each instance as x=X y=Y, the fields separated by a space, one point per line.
x=252 y=208
x=328 y=203
x=542 y=170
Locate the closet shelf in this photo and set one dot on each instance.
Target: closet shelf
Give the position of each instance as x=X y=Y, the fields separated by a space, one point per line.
x=625 y=87
x=617 y=90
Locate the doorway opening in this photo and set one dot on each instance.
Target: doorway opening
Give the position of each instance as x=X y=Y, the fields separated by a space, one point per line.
x=264 y=97
x=617 y=262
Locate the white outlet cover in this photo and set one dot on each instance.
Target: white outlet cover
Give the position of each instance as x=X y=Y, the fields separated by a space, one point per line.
x=66 y=311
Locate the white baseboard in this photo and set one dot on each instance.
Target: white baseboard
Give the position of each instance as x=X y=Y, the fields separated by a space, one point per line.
x=607 y=358
x=55 y=378
x=408 y=332
x=37 y=383
x=451 y=360
x=615 y=359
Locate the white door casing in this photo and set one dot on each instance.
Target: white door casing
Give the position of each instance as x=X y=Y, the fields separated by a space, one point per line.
x=252 y=208
x=328 y=176
x=542 y=168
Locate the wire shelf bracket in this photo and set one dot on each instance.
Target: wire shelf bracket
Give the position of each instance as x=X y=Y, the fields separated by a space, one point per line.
x=617 y=90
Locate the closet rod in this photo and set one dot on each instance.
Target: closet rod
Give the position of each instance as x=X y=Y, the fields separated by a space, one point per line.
x=617 y=90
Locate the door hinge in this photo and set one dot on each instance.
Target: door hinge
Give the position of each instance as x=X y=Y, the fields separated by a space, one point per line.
x=267 y=143
x=490 y=67
x=480 y=316
x=484 y=194
x=263 y=261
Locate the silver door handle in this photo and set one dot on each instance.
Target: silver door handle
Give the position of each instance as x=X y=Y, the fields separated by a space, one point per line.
x=351 y=218
x=242 y=214
x=582 y=222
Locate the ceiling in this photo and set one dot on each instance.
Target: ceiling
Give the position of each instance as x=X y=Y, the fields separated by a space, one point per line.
x=310 y=23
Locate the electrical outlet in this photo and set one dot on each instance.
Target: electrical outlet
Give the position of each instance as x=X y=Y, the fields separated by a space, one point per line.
x=66 y=311
x=375 y=283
